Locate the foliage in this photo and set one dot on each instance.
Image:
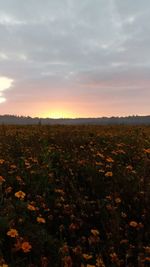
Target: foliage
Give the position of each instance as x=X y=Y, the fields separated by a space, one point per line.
x=74 y=196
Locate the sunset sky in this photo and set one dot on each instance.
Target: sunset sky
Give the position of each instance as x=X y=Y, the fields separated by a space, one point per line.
x=75 y=58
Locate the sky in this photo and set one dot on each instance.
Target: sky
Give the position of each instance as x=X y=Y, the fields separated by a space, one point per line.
x=73 y=58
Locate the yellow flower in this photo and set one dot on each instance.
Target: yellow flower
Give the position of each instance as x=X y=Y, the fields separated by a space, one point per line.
x=133 y=224
x=40 y=220
x=108 y=174
x=26 y=247
x=12 y=233
x=20 y=194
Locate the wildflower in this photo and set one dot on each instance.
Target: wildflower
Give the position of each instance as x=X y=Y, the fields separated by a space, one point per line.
x=108 y=174
x=109 y=207
x=147 y=249
x=95 y=232
x=118 y=200
x=31 y=207
x=114 y=257
x=99 y=262
x=110 y=160
x=40 y=220
x=20 y=195
x=133 y=224
x=67 y=261
x=147 y=151
x=64 y=249
x=87 y=257
x=100 y=155
x=8 y=189
x=12 y=233
x=13 y=166
x=2 y=180
x=129 y=168
x=26 y=247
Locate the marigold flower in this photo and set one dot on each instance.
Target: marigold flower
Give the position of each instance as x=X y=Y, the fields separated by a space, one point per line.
x=108 y=174
x=110 y=160
x=114 y=257
x=118 y=200
x=12 y=233
x=87 y=257
x=133 y=224
x=40 y=220
x=95 y=232
x=8 y=189
x=31 y=207
x=129 y=168
x=20 y=194
x=26 y=247
x=147 y=151
x=2 y=180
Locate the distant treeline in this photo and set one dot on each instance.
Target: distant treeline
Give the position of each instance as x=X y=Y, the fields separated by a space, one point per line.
x=21 y=120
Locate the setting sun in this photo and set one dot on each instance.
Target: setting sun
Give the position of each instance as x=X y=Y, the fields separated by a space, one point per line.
x=57 y=114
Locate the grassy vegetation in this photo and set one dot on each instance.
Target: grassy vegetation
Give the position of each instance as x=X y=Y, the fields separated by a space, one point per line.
x=74 y=196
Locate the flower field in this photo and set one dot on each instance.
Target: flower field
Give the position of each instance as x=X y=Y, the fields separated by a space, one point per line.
x=74 y=196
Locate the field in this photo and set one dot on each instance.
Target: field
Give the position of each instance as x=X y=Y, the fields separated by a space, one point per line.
x=74 y=196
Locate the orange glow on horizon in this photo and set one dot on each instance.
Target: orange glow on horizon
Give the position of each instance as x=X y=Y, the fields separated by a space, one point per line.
x=57 y=114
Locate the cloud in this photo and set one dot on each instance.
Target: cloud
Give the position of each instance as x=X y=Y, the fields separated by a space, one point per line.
x=5 y=83
x=66 y=48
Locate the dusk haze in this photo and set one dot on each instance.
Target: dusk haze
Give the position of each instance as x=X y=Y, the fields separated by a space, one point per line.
x=72 y=58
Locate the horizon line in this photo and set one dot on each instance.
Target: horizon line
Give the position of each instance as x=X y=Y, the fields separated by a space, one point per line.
x=75 y=118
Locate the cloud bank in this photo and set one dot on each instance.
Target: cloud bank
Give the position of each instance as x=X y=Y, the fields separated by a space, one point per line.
x=87 y=58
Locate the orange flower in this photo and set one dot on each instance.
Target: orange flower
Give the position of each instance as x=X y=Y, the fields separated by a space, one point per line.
x=133 y=224
x=129 y=168
x=87 y=256
x=95 y=232
x=147 y=151
x=118 y=200
x=114 y=257
x=8 y=189
x=2 y=180
x=110 y=160
x=40 y=220
x=20 y=194
x=26 y=247
x=108 y=174
x=12 y=233
x=31 y=207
